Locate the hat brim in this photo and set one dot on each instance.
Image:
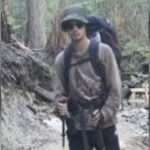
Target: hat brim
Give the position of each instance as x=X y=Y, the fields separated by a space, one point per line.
x=74 y=17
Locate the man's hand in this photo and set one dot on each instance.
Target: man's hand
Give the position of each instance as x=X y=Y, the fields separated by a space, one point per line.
x=97 y=117
x=62 y=109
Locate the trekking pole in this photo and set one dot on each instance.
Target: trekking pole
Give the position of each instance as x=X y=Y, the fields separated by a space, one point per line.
x=83 y=131
x=63 y=130
x=100 y=137
x=63 y=118
x=98 y=130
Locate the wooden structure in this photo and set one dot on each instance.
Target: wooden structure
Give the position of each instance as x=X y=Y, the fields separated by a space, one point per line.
x=144 y=91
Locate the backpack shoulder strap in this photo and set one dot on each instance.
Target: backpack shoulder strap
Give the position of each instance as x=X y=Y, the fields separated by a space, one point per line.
x=94 y=58
x=99 y=69
x=67 y=59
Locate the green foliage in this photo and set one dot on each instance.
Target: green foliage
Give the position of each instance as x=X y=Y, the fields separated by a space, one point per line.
x=17 y=16
x=133 y=48
x=50 y=11
x=130 y=17
x=134 y=56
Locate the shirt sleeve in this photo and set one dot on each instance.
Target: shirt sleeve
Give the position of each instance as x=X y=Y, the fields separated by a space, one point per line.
x=58 y=84
x=113 y=83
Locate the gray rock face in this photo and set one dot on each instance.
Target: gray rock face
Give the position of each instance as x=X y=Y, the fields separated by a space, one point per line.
x=22 y=128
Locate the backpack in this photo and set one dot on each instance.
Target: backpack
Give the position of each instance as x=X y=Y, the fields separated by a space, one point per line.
x=108 y=35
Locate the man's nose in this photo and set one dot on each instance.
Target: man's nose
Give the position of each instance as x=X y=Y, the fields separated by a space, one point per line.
x=75 y=27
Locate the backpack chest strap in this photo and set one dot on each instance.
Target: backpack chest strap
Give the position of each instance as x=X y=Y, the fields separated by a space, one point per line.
x=79 y=62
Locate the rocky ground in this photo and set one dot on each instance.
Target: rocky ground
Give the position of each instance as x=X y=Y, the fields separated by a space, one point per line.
x=133 y=129
x=29 y=124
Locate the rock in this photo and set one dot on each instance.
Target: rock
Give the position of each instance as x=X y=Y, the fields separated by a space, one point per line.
x=134 y=81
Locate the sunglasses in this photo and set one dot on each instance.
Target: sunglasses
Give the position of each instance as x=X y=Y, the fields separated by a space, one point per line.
x=69 y=25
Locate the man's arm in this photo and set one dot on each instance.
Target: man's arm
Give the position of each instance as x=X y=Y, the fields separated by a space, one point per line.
x=59 y=90
x=113 y=83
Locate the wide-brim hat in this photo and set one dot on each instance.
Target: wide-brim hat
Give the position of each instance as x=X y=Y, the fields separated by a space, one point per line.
x=75 y=12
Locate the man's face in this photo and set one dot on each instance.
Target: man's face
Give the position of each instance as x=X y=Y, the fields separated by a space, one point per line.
x=75 y=29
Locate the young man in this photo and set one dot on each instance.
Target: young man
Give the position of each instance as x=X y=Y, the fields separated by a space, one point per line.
x=89 y=125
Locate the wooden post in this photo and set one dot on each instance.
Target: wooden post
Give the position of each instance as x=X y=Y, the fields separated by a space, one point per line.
x=146 y=102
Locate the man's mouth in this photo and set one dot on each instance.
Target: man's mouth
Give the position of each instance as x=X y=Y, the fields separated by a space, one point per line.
x=75 y=34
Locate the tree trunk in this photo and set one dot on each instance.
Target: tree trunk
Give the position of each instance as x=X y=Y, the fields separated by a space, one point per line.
x=5 y=26
x=57 y=39
x=36 y=36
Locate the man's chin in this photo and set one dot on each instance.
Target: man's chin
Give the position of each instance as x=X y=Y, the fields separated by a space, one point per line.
x=76 y=39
